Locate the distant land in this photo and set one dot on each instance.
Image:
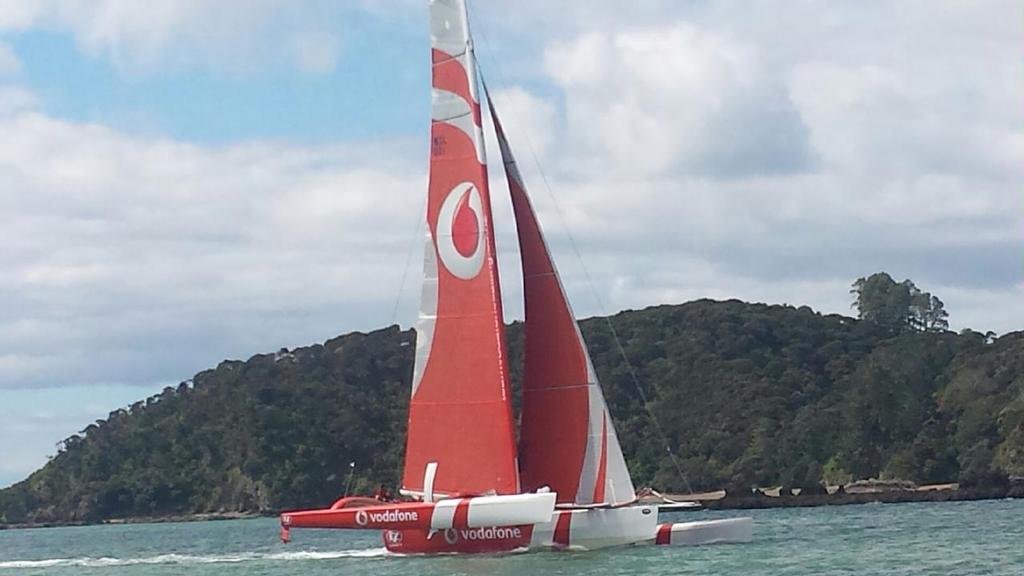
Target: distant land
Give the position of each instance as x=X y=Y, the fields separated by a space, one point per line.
x=747 y=394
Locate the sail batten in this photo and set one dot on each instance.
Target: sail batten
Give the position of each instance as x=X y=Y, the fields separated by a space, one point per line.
x=567 y=439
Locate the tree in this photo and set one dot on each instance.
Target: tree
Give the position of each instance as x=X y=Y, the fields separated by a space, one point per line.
x=927 y=312
x=898 y=307
x=883 y=302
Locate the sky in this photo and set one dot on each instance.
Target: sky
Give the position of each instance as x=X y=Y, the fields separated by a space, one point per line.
x=187 y=181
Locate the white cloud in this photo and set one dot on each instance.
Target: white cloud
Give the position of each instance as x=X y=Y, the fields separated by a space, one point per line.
x=526 y=118
x=654 y=101
x=785 y=151
x=238 y=36
x=15 y=99
x=18 y=14
x=133 y=259
x=692 y=155
x=9 y=63
x=317 y=52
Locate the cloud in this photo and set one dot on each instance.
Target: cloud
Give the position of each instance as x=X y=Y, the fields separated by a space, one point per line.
x=316 y=53
x=526 y=118
x=784 y=152
x=133 y=260
x=9 y=63
x=16 y=15
x=661 y=100
x=15 y=99
x=236 y=36
x=690 y=155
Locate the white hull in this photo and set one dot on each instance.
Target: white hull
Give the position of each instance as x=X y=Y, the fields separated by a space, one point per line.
x=592 y=529
x=722 y=531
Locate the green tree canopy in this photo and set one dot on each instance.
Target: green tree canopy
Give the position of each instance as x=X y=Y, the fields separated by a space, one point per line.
x=747 y=395
x=898 y=306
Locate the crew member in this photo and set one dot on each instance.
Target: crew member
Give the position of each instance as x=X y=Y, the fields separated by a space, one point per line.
x=382 y=494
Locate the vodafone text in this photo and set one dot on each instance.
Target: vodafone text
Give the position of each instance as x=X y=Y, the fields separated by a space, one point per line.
x=394 y=516
x=491 y=533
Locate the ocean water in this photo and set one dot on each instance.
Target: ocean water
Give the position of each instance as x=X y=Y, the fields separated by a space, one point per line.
x=957 y=538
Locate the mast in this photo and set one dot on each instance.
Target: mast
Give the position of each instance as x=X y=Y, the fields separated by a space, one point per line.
x=460 y=413
x=567 y=440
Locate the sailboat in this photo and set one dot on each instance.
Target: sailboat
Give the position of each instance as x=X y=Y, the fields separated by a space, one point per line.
x=471 y=488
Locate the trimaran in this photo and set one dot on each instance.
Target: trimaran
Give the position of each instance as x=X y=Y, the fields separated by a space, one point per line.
x=471 y=489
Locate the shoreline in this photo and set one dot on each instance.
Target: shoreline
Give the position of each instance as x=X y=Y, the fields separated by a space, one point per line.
x=170 y=518
x=763 y=501
x=709 y=501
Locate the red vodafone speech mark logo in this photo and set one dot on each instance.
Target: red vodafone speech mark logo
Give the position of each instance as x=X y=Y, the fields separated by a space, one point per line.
x=465 y=227
x=460 y=231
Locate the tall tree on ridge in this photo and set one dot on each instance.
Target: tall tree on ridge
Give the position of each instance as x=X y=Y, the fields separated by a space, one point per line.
x=898 y=306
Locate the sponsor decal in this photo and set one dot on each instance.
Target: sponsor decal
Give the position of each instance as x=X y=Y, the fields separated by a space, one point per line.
x=460 y=232
x=485 y=533
x=394 y=537
x=387 y=516
x=286 y=520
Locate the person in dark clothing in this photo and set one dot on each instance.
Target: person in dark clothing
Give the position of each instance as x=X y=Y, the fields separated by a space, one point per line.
x=383 y=494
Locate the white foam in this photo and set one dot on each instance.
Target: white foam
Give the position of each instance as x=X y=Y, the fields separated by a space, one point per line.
x=366 y=553
x=194 y=559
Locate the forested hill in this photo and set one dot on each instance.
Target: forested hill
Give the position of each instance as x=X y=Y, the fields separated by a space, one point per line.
x=749 y=395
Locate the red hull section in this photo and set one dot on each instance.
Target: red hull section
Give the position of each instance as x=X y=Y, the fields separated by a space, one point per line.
x=395 y=516
x=481 y=518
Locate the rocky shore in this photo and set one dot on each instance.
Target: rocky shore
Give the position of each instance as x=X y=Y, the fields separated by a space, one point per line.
x=758 y=500
x=206 y=517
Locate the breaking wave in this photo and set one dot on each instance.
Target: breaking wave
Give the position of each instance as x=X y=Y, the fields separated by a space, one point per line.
x=185 y=559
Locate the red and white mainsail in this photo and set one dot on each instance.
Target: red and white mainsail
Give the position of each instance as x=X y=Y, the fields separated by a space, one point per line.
x=460 y=414
x=566 y=438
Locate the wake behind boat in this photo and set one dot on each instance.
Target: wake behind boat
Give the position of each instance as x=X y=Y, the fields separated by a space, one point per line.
x=566 y=484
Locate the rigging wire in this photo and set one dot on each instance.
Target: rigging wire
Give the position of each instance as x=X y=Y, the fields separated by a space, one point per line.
x=586 y=273
x=420 y=221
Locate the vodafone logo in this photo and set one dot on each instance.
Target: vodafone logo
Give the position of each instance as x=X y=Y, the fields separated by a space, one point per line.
x=492 y=533
x=387 y=516
x=460 y=232
x=394 y=537
x=452 y=536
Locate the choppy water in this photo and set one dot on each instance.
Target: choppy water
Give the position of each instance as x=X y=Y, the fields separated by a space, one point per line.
x=968 y=538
